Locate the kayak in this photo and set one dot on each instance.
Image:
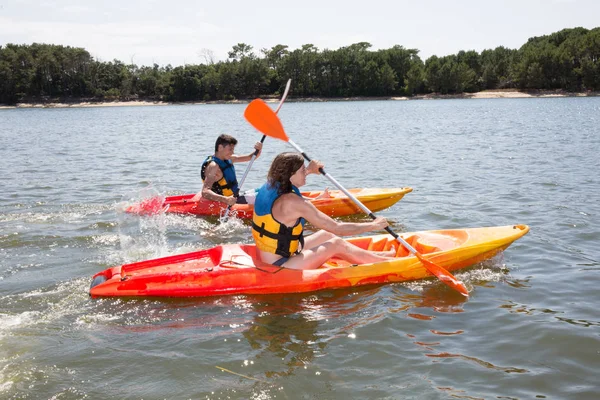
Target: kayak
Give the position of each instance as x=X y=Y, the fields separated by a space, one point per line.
x=337 y=205
x=232 y=269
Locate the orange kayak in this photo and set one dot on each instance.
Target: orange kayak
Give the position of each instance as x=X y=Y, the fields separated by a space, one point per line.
x=337 y=205
x=234 y=269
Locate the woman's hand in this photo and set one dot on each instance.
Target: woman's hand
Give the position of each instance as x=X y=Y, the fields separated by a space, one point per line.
x=314 y=166
x=379 y=223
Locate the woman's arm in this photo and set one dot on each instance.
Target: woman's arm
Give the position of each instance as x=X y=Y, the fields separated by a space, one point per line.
x=302 y=208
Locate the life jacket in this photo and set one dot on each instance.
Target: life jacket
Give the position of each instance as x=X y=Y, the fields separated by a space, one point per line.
x=269 y=234
x=228 y=184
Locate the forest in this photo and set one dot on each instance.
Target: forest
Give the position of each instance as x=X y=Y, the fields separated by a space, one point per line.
x=568 y=60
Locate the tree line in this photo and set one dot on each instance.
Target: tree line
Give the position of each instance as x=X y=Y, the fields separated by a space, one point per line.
x=568 y=60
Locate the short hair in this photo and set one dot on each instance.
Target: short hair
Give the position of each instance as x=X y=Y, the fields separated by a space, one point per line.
x=224 y=140
x=282 y=168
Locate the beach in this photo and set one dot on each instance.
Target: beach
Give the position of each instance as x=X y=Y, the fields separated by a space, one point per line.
x=487 y=94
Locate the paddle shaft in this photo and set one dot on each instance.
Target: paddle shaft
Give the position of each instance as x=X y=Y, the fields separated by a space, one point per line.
x=262 y=140
x=250 y=164
x=354 y=199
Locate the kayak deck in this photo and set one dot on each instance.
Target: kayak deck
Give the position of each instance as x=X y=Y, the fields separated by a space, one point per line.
x=235 y=269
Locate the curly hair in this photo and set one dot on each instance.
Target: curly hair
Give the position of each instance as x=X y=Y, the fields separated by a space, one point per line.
x=282 y=168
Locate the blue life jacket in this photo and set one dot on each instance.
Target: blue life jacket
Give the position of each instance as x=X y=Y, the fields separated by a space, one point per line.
x=226 y=186
x=271 y=235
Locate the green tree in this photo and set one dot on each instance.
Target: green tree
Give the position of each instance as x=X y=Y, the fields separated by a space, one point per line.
x=401 y=61
x=274 y=58
x=415 y=79
x=241 y=50
x=568 y=59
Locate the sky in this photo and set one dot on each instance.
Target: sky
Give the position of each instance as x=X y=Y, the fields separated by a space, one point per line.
x=180 y=32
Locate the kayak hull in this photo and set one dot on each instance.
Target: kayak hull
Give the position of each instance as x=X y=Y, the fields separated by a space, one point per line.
x=338 y=205
x=234 y=269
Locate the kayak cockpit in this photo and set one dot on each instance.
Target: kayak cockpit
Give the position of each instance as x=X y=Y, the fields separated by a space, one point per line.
x=424 y=244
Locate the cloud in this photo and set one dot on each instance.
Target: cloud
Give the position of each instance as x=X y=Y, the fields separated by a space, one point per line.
x=147 y=42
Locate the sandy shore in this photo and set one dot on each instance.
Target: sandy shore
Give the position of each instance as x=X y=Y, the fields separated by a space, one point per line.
x=88 y=104
x=488 y=94
x=501 y=94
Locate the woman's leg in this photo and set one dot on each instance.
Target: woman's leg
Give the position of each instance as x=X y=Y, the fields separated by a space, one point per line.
x=317 y=238
x=323 y=236
x=313 y=257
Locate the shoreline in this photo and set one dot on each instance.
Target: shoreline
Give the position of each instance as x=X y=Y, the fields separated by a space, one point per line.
x=487 y=94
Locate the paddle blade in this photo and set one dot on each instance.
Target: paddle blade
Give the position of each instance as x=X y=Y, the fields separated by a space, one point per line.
x=264 y=119
x=444 y=275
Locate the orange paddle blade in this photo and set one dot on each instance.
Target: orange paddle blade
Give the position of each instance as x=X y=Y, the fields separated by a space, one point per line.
x=264 y=119
x=444 y=276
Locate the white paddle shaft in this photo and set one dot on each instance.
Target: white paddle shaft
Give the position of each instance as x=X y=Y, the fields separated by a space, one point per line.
x=354 y=199
x=285 y=93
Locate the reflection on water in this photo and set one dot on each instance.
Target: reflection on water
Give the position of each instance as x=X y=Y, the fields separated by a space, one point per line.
x=478 y=362
x=529 y=310
x=291 y=337
x=434 y=331
x=430 y=298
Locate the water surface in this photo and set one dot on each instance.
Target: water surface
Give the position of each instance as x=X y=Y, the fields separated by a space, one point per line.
x=529 y=330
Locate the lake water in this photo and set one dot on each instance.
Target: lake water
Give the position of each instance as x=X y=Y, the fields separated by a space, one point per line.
x=531 y=328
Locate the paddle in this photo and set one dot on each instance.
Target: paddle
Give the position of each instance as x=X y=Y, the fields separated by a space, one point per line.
x=260 y=115
x=262 y=140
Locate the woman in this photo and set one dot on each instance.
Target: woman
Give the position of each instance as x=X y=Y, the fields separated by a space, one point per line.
x=280 y=213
